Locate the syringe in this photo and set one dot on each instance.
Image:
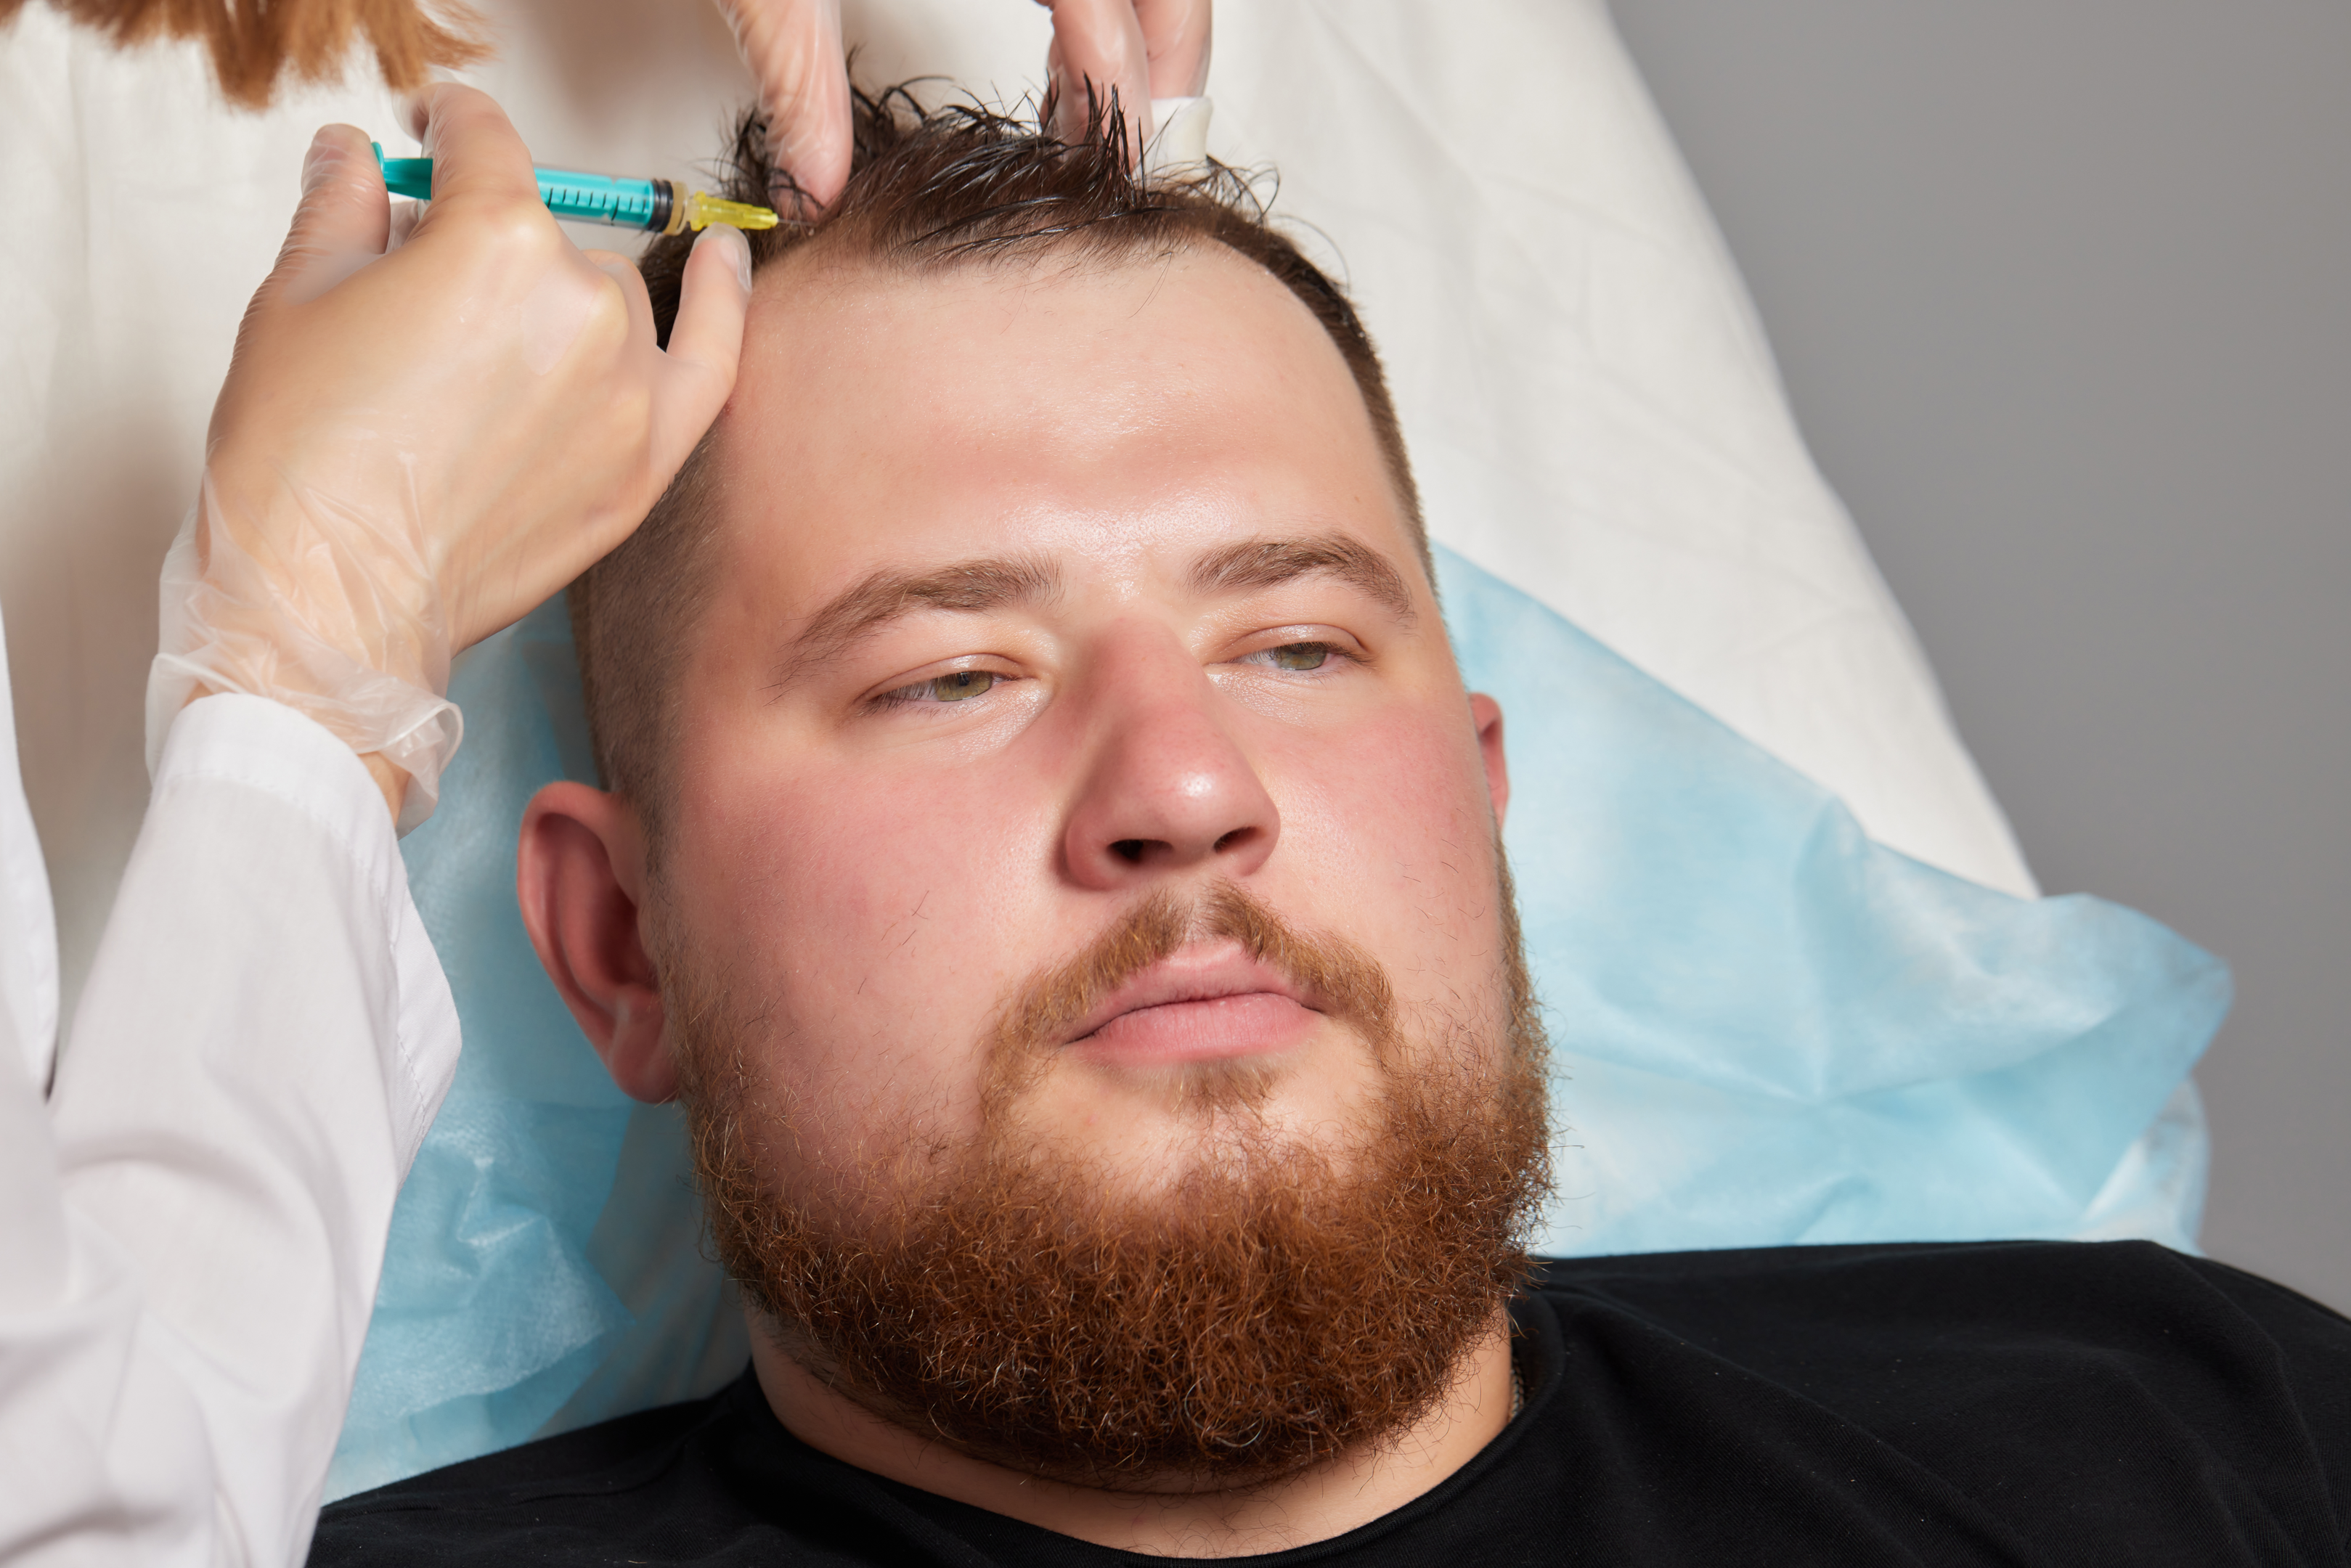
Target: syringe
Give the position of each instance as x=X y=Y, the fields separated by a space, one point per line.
x=664 y=206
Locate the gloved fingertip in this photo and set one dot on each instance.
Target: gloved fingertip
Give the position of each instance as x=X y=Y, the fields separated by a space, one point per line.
x=731 y=240
x=790 y=192
x=324 y=158
x=783 y=191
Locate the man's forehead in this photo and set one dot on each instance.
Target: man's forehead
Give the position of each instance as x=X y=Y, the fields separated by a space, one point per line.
x=909 y=420
x=1027 y=338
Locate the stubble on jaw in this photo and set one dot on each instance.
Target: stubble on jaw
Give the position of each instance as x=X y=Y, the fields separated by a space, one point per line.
x=1273 y=1305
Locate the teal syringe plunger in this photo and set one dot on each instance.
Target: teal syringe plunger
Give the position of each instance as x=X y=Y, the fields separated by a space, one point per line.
x=664 y=206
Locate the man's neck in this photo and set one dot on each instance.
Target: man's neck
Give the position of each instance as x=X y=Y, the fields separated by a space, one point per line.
x=1327 y=1501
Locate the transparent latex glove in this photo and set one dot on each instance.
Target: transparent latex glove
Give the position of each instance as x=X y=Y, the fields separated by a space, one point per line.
x=1146 y=49
x=422 y=436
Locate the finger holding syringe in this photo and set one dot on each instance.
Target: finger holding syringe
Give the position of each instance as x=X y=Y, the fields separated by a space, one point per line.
x=417 y=445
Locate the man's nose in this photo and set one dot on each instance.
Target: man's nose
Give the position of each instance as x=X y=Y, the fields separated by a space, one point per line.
x=1166 y=788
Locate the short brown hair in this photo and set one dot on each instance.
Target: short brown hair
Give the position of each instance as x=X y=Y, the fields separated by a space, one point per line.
x=929 y=189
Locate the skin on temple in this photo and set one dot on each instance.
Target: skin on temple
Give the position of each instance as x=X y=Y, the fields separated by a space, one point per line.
x=892 y=805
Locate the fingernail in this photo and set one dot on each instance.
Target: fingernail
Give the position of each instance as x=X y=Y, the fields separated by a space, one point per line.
x=738 y=250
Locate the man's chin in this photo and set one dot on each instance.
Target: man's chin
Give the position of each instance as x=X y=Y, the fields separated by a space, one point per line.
x=1267 y=1313
x=1226 y=1476
x=1222 y=1273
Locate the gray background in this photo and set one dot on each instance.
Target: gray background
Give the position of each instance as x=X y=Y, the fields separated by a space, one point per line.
x=2062 y=292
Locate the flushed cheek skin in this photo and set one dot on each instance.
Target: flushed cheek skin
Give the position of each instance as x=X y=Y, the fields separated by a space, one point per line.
x=873 y=879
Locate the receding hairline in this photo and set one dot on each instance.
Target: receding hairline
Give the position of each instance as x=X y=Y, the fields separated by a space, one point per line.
x=836 y=256
x=832 y=259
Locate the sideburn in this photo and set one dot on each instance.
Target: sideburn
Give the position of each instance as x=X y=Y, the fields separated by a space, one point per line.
x=1271 y=1309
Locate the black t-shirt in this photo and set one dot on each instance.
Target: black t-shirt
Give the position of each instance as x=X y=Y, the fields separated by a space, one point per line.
x=2009 y=1403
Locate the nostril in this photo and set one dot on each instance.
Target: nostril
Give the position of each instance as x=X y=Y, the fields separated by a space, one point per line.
x=1236 y=837
x=1129 y=849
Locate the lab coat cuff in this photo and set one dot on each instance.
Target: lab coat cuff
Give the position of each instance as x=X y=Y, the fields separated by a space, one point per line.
x=269 y=748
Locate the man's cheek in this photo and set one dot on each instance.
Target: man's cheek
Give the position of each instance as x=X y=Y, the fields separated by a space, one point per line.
x=881 y=916
x=1394 y=813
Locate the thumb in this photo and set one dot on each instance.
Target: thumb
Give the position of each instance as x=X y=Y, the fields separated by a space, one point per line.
x=705 y=345
x=342 y=223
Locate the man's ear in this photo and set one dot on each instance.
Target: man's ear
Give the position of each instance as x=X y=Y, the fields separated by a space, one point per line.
x=580 y=874
x=1487 y=715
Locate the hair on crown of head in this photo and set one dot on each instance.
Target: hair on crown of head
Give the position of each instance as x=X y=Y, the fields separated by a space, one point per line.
x=961 y=182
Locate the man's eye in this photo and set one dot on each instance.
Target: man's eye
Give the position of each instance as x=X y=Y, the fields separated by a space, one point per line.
x=1298 y=655
x=961 y=684
x=951 y=689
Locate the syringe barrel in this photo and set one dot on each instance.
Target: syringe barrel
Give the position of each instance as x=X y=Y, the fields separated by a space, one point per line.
x=588 y=198
x=608 y=199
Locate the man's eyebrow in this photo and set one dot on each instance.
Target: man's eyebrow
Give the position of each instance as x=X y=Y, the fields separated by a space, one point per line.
x=866 y=607
x=1268 y=563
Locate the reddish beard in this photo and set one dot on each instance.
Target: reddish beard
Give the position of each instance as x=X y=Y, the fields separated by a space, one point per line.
x=1275 y=1305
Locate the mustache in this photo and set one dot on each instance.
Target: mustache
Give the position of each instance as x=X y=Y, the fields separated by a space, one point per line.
x=1334 y=976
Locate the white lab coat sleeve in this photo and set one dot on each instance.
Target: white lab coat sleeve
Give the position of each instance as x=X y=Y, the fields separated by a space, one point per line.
x=195 y=1229
x=28 y=925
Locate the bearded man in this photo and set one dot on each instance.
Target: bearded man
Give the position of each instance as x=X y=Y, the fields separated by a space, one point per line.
x=1049 y=850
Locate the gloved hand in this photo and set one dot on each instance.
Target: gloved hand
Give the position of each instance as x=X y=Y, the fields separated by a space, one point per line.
x=424 y=435
x=1144 y=48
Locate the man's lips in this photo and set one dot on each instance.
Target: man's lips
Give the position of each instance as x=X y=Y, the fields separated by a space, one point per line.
x=1204 y=1003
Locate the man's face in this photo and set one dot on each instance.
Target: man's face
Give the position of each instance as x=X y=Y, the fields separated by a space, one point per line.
x=1078 y=921
x=1042 y=592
